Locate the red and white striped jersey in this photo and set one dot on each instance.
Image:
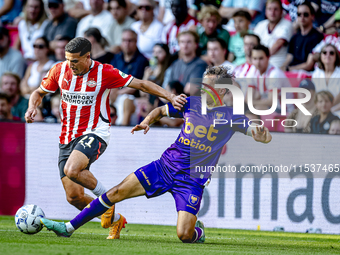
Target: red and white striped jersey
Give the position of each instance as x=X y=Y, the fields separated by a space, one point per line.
x=171 y=31
x=272 y=78
x=244 y=74
x=84 y=99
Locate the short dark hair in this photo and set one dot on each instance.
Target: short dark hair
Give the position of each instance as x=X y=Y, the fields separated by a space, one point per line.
x=309 y=5
x=78 y=45
x=121 y=3
x=243 y=14
x=95 y=33
x=64 y=38
x=6 y=97
x=253 y=35
x=220 y=41
x=262 y=48
x=131 y=31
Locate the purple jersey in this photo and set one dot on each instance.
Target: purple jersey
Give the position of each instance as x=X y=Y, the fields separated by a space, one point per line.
x=200 y=143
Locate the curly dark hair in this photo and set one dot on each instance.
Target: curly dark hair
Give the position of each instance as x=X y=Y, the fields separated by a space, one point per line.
x=78 y=45
x=221 y=72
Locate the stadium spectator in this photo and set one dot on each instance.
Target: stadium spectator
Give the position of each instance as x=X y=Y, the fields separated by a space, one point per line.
x=290 y=7
x=161 y=58
x=98 y=52
x=302 y=121
x=10 y=85
x=60 y=25
x=242 y=21
x=113 y=114
x=11 y=60
x=148 y=28
x=198 y=5
x=118 y=9
x=325 y=76
x=335 y=128
x=5 y=109
x=247 y=69
x=266 y=78
x=31 y=27
x=55 y=108
x=210 y=27
x=38 y=69
x=321 y=123
x=303 y=42
x=325 y=10
x=217 y=53
x=9 y=10
x=59 y=50
x=164 y=12
x=99 y=18
x=130 y=60
x=183 y=22
x=254 y=7
x=275 y=32
x=189 y=65
x=79 y=10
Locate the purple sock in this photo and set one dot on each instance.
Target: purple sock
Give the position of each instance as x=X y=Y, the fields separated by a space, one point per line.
x=197 y=234
x=95 y=208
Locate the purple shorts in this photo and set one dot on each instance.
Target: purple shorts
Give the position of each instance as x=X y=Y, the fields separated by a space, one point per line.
x=158 y=179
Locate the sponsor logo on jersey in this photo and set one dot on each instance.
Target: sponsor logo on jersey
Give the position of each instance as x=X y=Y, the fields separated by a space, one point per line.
x=91 y=83
x=77 y=98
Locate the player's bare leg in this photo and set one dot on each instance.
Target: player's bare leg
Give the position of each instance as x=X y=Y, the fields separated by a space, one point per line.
x=74 y=169
x=187 y=231
x=75 y=194
x=128 y=188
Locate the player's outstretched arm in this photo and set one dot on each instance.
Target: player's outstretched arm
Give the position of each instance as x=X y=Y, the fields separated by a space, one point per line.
x=260 y=134
x=151 y=118
x=35 y=100
x=154 y=89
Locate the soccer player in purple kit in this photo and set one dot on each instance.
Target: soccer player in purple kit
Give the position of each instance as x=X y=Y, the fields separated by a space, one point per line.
x=199 y=143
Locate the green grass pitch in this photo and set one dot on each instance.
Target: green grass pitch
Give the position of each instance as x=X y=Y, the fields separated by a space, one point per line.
x=154 y=239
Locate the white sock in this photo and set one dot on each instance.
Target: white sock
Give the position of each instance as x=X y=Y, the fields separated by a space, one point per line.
x=69 y=228
x=116 y=217
x=99 y=189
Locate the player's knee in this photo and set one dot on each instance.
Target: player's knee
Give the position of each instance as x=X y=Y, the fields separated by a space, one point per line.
x=71 y=172
x=74 y=199
x=185 y=236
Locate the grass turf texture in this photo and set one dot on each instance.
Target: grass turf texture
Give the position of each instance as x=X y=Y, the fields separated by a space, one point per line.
x=152 y=239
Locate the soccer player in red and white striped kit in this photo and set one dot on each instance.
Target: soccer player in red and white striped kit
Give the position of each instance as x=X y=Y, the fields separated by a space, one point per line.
x=85 y=119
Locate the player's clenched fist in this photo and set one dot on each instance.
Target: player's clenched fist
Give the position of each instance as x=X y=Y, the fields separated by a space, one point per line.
x=178 y=101
x=30 y=114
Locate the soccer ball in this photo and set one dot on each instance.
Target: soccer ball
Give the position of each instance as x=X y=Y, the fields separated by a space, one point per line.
x=27 y=219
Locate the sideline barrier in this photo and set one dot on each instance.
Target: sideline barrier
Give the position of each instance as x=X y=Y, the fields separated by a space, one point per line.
x=297 y=201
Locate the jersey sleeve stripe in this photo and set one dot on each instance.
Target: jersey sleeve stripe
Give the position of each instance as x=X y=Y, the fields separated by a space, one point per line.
x=46 y=90
x=128 y=82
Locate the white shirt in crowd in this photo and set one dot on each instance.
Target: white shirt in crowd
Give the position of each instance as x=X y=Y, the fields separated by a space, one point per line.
x=149 y=38
x=103 y=21
x=283 y=30
x=319 y=80
x=117 y=30
x=28 y=33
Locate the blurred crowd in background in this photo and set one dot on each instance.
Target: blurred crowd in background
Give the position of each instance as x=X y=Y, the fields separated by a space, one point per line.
x=266 y=45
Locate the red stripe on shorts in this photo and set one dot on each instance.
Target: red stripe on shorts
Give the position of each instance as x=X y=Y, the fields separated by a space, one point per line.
x=100 y=145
